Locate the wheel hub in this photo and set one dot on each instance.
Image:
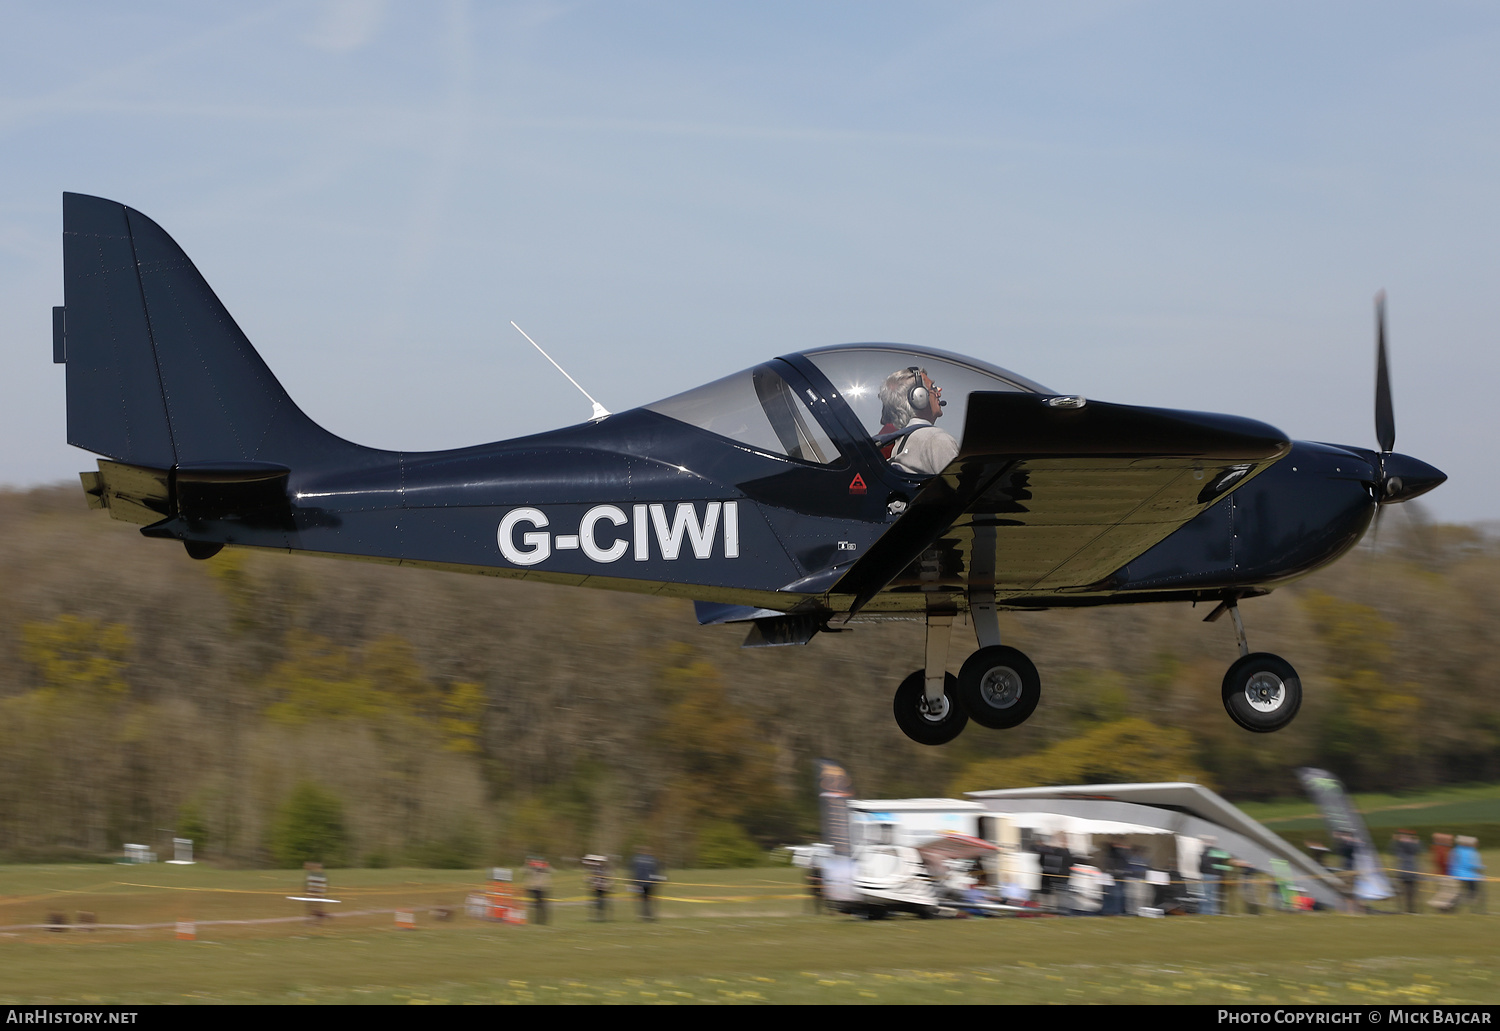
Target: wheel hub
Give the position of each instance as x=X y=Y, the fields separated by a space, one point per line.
x=1264 y=692
x=1000 y=687
x=934 y=713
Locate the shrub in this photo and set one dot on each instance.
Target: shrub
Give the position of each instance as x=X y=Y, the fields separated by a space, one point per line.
x=722 y=845
x=310 y=828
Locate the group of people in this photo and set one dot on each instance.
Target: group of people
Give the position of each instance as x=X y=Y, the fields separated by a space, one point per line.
x=646 y=874
x=1119 y=881
x=1456 y=867
x=1124 y=882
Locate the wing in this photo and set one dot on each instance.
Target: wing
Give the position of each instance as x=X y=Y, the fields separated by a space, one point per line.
x=1050 y=495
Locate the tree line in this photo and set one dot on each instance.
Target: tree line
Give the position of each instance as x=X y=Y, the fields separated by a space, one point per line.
x=258 y=702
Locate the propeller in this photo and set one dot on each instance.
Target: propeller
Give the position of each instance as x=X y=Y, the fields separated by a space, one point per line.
x=1397 y=477
x=1385 y=418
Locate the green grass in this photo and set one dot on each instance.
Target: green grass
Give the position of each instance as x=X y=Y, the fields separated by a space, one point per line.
x=1470 y=809
x=741 y=936
x=1469 y=804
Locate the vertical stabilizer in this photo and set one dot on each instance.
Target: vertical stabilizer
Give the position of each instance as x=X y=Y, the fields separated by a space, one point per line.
x=158 y=372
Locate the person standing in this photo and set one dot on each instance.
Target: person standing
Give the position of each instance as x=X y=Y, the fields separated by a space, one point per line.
x=314 y=889
x=1405 y=851
x=1057 y=872
x=1466 y=868
x=647 y=873
x=1212 y=865
x=1250 y=887
x=598 y=883
x=538 y=881
x=1043 y=849
x=1442 y=899
x=1139 y=892
x=1117 y=866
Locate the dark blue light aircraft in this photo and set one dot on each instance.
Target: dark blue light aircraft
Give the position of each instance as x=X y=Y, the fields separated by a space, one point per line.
x=792 y=496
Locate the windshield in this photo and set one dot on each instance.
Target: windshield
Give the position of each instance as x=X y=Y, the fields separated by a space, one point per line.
x=859 y=374
x=756 y=407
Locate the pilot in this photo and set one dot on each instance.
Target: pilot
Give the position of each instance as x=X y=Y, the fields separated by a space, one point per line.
x=910 y=404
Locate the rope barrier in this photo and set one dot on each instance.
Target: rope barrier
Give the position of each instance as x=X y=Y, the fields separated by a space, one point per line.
x=764 y=891
x=158 y=925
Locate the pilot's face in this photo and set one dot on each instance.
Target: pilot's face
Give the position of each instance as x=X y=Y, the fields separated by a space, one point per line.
x=934 y=395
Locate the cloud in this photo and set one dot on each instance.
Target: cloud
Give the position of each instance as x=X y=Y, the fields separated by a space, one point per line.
x=347 y=24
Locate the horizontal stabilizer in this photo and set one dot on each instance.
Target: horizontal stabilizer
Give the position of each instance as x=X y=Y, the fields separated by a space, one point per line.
x=249 y=493
x=131 y=493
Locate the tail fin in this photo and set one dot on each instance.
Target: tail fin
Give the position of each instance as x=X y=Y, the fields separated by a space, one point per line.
x=158 y=373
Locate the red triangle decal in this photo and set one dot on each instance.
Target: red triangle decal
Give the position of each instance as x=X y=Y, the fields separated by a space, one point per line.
x=857 y=485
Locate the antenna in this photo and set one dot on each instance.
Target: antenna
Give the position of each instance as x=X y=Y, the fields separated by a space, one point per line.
x=599 y=410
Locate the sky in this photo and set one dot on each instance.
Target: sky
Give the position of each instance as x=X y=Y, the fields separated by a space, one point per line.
x=1161 y=203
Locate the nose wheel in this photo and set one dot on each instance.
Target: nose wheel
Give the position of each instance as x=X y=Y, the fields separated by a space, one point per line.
x=1262 y=692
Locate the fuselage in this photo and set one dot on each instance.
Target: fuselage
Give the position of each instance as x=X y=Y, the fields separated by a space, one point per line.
x=648 y=501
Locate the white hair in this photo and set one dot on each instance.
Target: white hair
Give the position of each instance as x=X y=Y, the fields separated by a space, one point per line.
x=895 y=407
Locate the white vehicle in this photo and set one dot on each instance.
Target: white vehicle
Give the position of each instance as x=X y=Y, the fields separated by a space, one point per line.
x=908 y=855
x=919 y=855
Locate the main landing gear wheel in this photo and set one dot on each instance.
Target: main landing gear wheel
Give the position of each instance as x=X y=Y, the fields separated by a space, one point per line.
x=925 y=726
x=999 y=687
x=1262 y=692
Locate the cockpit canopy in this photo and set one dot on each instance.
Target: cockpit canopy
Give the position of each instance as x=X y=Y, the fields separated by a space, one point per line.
x=758 y=407
x=858 y=371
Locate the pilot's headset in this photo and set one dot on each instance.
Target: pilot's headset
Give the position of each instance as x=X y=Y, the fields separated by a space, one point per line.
x=917 y=396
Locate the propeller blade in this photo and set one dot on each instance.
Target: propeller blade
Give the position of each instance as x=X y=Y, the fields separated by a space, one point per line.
x=1385 y=416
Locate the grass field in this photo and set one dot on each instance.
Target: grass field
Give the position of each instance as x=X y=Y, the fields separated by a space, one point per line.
x=1457 y=807
x=742 y=936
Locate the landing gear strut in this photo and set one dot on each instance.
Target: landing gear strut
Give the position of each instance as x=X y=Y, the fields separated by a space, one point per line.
x=998 y=687
x=927 y=707
x=1262 y=692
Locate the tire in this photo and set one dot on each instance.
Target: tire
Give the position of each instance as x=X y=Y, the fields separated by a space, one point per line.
x=914 y=720
x=1262 y=692
x=999 y=687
